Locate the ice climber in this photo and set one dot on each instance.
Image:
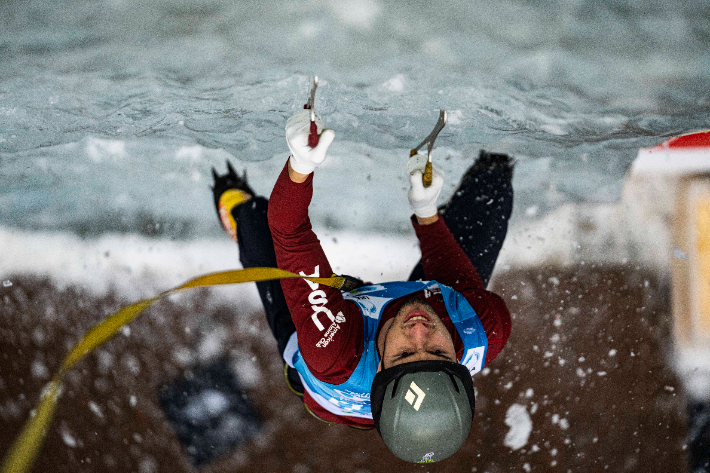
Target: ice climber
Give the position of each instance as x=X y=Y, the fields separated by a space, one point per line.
x=397 y=356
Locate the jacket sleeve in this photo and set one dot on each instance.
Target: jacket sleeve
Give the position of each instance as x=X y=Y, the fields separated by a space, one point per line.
x=329 y=328
x=443 y=260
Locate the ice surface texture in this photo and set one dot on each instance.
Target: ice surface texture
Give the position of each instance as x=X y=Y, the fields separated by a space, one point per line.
x=113 y=112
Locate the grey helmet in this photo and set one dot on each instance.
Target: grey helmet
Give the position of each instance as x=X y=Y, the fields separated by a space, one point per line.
x=423 y=410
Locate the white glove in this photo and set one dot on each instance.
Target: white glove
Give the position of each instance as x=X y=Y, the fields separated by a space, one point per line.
x=305 y=159
x=423 y=199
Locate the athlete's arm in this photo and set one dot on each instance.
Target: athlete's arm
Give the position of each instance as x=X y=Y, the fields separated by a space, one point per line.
x=329 y=328
x=444 y=260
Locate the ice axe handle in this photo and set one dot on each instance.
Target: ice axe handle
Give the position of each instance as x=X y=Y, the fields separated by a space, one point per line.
x=427 y=176
x=313 y=137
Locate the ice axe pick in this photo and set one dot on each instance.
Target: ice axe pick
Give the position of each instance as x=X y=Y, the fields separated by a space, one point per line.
x=429 y=141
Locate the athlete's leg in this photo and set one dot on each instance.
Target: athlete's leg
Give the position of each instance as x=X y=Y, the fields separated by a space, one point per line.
x=477 y=213
x=256 y=249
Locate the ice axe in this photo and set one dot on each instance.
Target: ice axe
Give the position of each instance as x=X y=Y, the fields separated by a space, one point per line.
x=313 y=136
x=429 y=141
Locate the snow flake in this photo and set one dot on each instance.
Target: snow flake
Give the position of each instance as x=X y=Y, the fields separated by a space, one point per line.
x=96 y=409
x=518 y=419
x=39 y=370
x=67 y=436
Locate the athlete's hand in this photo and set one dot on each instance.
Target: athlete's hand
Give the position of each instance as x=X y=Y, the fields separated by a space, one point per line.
x=423 y=199
x=305 y=159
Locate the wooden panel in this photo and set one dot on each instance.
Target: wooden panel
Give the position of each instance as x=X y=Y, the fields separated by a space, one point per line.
x=701 y=276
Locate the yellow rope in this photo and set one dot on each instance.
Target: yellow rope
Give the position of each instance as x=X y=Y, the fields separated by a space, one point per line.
x=24 y=451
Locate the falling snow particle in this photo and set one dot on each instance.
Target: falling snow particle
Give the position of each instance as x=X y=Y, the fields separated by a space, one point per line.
x=527 y=468
x=6 y=283
x=67 y=437
x=612 y=352
x=518 y=419
x=148 y=465
x=133 y=401
x=96 y=409
x=601 y=373
x=529 y=393
x=39 y=370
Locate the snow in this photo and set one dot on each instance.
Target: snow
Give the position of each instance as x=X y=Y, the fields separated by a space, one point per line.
x=96 y=409
x=208 y=404
x=39 y=370
x=67 y=436
x=518 y=419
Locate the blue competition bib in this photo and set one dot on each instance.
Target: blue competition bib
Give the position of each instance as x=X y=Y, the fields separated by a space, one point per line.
x=352 y=398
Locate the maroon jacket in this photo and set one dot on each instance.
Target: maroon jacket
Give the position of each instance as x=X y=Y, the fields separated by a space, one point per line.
x=332 y=357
